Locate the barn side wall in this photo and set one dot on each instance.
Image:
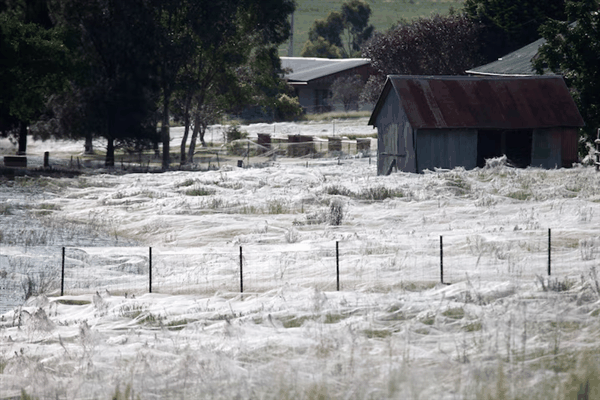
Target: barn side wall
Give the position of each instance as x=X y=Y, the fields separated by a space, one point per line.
x=546 y=148
x=446 y=148
x=395 y=141
x=569 y=143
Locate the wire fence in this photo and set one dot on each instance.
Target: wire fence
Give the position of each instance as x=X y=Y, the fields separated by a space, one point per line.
x=346 y=265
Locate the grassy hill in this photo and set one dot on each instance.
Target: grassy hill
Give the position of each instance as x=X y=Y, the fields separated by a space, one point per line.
x=384 y=14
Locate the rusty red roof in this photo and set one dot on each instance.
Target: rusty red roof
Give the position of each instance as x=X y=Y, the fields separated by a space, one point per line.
x=483 y=102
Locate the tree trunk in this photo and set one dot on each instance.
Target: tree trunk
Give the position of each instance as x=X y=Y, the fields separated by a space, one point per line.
x=89 y=145
x=156 y=148
x=22 y=150
x=164 y=132
x=192 y=148
x=111 y=126
x=186 y=131
x=202 y=132
x=110 y=153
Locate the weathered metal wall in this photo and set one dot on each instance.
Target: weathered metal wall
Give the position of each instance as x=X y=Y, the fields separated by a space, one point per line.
x=446 y=148
x=569 y=143
x=546 y=148
x=394 y=138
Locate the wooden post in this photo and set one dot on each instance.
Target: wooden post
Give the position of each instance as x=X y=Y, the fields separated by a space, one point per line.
x=62 y=275
x=46 y=159
x=549 y=251
x=150 y=270
x=441 y=259
x=241 y=271
x=337 y=264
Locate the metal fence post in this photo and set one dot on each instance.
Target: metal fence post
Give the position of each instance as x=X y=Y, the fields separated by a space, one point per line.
x=337 y=264
x=62 y=274
x=549 y=251
x=150 y=270
x=241 y=271
x=441 y=259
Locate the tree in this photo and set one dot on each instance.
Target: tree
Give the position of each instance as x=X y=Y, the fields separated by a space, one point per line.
x=511 y=24
x=347 y=89
x=573 y=50
x=342 y=32
x=32 y=67
x=372 y=89
x=440 y=45
x=236 y=67
x=356 y=28
x=320 y=48
x=329 y=29
x=223 y=31
x=116 y=83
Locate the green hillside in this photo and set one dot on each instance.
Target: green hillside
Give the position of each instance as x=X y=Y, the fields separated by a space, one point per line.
x=385 y=13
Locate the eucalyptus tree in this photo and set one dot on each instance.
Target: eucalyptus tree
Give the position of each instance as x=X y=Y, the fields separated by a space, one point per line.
x=33 y=66
x=510 y=24
x=572 y=49
x=233 y=64
x=341 y=33
x=114 y=90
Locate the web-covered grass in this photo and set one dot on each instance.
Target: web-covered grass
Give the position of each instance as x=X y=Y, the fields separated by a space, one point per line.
x=503 y=329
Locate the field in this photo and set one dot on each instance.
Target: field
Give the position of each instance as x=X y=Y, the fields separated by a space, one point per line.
x=502 y=329
x=384 y=14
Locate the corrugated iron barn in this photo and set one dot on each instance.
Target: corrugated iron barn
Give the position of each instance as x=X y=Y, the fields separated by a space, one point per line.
x=427 y=122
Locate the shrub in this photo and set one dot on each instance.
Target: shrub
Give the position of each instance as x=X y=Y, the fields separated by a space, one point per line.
x=234 y=132
x=288 y=108
x=336 y=212
x=378 y=193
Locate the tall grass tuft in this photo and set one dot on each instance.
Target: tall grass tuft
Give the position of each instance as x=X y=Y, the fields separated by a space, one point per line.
x=336 y=212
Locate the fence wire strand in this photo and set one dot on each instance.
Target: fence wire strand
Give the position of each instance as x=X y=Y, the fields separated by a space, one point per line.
x=363 y=265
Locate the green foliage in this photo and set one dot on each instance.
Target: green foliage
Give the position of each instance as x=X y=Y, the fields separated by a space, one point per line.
x=384 y=14
x=288 y=108
x=572 y=50
x=510 y=24
x=356 y=16
x=378 y=193
x=115 y=91
x=237 y=69
x=235 y=133
x=200 y=191
x=33 y=67
x=351 y=23
x=320 y=48
x=439 y=45
x=329 y=29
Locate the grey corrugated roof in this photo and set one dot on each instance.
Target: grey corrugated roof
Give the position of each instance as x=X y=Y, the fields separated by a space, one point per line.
x=307 y=69
x=483 y=102
x=517 y=63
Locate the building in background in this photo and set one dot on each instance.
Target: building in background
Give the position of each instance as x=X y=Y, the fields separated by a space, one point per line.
x=311 y=78
x=517 y=63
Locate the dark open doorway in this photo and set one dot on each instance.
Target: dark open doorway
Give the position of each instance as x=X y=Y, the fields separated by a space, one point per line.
x=515 y=144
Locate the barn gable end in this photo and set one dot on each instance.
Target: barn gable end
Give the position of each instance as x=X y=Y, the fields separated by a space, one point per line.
x=396 y=136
